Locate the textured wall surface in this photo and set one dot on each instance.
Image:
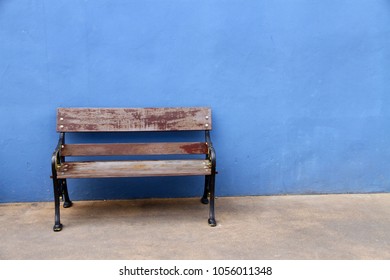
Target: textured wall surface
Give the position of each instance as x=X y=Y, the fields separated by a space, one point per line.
x=300 y=89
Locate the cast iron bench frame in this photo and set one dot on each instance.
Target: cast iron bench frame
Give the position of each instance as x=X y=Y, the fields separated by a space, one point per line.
x=84 y=120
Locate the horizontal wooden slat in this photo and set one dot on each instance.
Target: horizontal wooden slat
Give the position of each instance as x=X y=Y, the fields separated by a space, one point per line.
x=134 y=149
x=107 y=169
x=132 y=119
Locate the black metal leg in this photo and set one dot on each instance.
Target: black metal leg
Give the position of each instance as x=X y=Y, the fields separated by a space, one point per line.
x=67 y=202
x=204 y=198
x=57 y=223
x=212 y=221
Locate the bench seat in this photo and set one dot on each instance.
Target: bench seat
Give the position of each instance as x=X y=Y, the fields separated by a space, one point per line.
x=137 y=168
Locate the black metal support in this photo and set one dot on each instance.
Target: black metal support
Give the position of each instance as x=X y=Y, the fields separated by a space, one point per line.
x=65 y=194
x=206 y=191
x=210 y=180
x=212 y=221
x=57 y=223
x=57 y=184
x=63 y=184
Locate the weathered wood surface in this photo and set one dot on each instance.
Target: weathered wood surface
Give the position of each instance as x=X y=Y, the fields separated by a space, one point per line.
x=176 y=148
x=107 y=169
x=133 y=119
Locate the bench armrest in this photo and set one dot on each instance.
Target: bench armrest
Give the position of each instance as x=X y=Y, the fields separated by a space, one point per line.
x=211 y=152
x=56 y=157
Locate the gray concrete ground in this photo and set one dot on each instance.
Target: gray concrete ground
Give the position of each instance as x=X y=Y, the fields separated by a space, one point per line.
x=353 y=226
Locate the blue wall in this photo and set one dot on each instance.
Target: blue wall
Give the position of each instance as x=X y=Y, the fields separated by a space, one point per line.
x=300 y=89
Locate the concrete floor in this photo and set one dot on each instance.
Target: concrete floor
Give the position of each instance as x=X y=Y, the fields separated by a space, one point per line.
x=269 y=227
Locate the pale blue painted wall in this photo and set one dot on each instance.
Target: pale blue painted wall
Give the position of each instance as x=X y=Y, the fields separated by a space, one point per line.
x=300 y=89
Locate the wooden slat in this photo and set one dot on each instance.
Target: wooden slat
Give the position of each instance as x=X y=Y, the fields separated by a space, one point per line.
x=107 y=169
x=132 y=119
x=134 y=149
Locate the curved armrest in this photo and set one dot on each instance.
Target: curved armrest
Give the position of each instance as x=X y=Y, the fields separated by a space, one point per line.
x=211 y=153
x=56 y=156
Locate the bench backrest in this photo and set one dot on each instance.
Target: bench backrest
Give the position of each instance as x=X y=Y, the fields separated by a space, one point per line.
x=133 y=119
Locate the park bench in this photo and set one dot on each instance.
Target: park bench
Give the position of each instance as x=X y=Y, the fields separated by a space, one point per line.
x=129 y=120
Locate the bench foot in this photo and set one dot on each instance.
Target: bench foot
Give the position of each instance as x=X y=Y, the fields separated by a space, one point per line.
x=57 y=227
x=204 y=200
x=212 y=222
x=68 y=204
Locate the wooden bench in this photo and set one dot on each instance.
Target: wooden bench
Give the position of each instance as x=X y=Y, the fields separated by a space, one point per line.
x=83 y=120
